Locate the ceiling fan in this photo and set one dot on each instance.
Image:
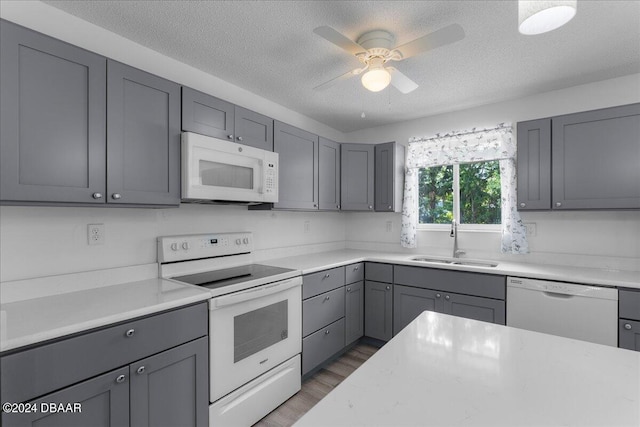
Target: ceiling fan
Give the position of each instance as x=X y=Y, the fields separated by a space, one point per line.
x=375 y=48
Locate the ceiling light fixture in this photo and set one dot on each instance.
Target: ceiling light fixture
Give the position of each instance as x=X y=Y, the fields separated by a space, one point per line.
x=376 y=78
x=540 y=16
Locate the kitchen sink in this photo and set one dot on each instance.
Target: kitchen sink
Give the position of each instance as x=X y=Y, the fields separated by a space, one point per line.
x=456 y=262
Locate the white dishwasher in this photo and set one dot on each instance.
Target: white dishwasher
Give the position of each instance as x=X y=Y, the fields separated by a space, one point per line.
x=588 y=313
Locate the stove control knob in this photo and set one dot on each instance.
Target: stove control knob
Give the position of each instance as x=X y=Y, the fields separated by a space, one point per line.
x=245 y=240
x=238 y=241
x=174 y=246
x=185 y=246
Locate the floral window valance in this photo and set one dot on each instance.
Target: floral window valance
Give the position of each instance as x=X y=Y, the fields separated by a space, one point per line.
x=466 y=147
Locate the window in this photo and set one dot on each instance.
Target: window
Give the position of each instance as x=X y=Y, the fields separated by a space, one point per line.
x=468 y=193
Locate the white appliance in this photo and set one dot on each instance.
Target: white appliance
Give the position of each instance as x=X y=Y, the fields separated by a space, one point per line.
x=255 y=322
x=588 y=313
x=215 y=170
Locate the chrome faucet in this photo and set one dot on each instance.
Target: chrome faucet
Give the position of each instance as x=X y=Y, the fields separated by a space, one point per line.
x=454 y=233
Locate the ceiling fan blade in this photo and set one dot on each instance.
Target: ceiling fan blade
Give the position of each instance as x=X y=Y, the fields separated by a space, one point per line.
x=332 y=82
x=449 y=34
x=339 y=40
x=401 y=82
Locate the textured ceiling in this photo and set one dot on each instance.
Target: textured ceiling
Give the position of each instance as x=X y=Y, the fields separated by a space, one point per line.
x=269 y=48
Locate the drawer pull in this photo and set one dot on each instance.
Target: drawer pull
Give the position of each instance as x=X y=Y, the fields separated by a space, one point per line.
x=326 y=276
x=438 y=295
x=388 y=288
x=447 y=297
x=140 y=370
x=120 y=379
x=627 y=326
x=356 y=268
x=327 y=332
x=326 y=298
x=348 y=289
x=130 y=333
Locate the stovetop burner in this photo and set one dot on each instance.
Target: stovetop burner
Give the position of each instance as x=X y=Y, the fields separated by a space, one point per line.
x=229 y=276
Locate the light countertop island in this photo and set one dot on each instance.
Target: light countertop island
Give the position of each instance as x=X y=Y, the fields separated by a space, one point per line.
x=450 y=371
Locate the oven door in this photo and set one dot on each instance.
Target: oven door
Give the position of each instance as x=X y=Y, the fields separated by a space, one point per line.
x=252 y=331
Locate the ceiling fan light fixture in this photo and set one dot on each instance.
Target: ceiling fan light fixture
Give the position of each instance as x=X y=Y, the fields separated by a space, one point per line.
x=541 y=16
x=376 y=78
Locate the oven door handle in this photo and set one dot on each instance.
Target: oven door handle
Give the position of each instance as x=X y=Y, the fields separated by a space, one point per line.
x=254 y=293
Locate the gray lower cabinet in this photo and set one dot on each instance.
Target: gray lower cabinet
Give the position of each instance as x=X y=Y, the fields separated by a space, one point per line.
x=629 y=322
x=534 y=164
x=143 y=137
x=378 y=310
x=329 y=175
x=52 y=121
x=409 y=302
x=354 y=312
x=211 y=116
x=298 y=174
x=321 y=345
x=135 y=371
x=389 y=177
x=357 y=177
x=476 y=308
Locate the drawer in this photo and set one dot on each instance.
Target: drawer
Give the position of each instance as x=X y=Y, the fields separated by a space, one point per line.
x=461 y=282
x=629 y=304
x=40 y=370
x=379 y=272
x=354 y=273
x=322 y=281
x=321 y=310
x=319 y=346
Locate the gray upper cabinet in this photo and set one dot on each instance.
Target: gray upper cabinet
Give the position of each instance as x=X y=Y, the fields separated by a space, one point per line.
x=534 y=164
x=143 y=137
x=329 y=175
x=389 y=177
x=357 y=177
x=596 y=157
x=298 y=175
x=52 y=121
x=211 y=116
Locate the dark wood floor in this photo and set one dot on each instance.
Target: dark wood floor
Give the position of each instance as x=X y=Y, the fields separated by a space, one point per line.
x=317 y=387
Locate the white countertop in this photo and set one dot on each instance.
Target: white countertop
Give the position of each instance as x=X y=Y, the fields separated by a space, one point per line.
x=445 y=370
x=312 y=263
x=39 y=319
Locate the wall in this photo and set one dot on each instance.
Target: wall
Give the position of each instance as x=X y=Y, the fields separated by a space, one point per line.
x=598 y=239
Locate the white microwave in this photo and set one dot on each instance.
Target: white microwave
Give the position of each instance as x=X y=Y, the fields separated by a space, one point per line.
x=219 y=171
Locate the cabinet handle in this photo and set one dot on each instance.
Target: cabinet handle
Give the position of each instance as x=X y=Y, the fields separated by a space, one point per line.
x=627 y=326
x=558 y=204
x=389 y=207
x=356 y=268
x=326 y=276
x=326 y=332
x=120 y=379
x=239 y=138
x=130 y=333
x=116 y=196
x=388 y=288
x=315 y=205
x=326 y=298
x=140 y=370
x=338 y=206
x=348 y=289
x=370 y=207
x=447 y=297
x=230 y=136
x=97 y=195
x=438 y=295
x=523 y=205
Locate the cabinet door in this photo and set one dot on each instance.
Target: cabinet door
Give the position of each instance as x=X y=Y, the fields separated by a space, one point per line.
x=253 y=129
x=329 y=175
x=354 y=312
x=52 y=121
x=378 y=310
x=104 y=402
x=298 y=175
x=389 y=176
x=171 y=388
x=534 y=164
x=409 y=302
x=595 y=159
x=629 y=336
x=207 y=115
x=477 y=308
x=143 y=137
x=357 y=166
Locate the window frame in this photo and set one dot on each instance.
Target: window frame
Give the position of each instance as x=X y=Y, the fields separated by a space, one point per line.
x=480 y=228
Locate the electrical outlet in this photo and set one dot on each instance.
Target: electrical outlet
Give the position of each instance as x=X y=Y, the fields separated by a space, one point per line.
x=531 y=228
x=307 y=226
x=95 y=234
x=389 y=226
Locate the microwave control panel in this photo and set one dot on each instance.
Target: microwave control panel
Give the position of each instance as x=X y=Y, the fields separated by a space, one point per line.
x=270 y=178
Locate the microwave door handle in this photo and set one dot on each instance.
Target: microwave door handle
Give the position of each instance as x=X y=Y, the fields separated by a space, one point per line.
x=253 y=293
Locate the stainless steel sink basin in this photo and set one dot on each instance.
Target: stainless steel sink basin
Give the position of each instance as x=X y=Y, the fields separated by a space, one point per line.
x=455 y=262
